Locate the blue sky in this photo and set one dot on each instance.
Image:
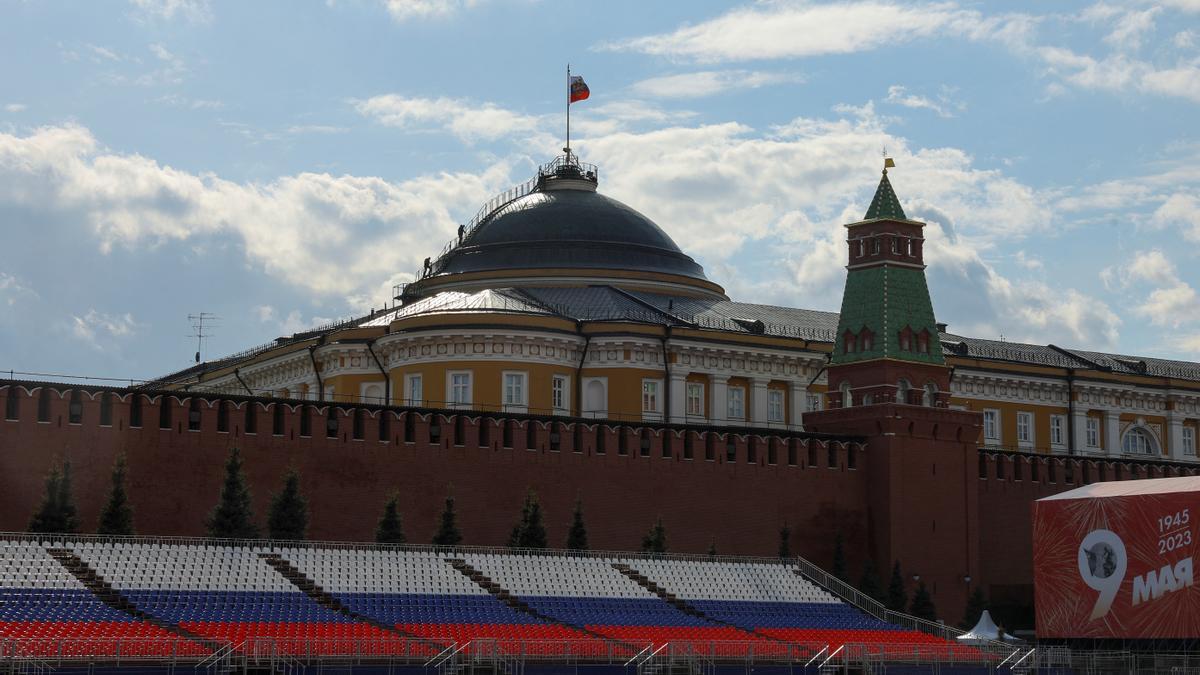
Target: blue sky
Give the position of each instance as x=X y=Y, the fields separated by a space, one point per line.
x=283 y=164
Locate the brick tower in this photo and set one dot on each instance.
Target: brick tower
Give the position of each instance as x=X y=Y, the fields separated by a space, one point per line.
x=888 y=381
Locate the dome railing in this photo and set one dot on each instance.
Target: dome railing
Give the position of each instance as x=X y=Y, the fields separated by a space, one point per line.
x=563 y=166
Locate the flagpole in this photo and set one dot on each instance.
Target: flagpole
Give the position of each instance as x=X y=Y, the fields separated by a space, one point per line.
x=568 y=148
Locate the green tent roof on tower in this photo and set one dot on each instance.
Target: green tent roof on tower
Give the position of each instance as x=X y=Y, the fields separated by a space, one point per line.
x=885 y=204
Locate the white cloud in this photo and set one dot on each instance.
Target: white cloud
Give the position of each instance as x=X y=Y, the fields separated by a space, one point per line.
x=794 y=29
x=1170 y=301
x=709 y=82
x=944 y=106
x=14 y=107
x=291 y=324
x=406 y=10
x=103 y=54
x=195 y=11
x=1182 y=211
x=298 y=129
x=177 y=101
x=469 y=121
x=1132 y=28
x=98 y=329
x=13 y=289
x=1118 y=72
x=334 y=235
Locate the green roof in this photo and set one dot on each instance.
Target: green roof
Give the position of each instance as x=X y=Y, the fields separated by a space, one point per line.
x=885 y=204
x=886 y=300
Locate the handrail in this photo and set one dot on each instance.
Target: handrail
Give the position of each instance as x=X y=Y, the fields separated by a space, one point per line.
x=817 y=656
x=445 y=655
x=635 y=656
x=831 y=655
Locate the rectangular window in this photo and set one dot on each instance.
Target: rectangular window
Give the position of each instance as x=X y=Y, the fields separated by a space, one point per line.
x=737 y=403
x=558 y=394
x=774 y=405
x=650 y=396
x=1093 y=432
x=414 y=390
x=1025 y=428
x=695 y=399
x=460 y=389
x=1058 y=425
x=514 y=390
x=1189 y=441
x=814 y=401
x=991 y=425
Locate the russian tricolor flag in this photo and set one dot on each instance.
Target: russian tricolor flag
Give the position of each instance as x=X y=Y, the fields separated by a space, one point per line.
x=578 y=89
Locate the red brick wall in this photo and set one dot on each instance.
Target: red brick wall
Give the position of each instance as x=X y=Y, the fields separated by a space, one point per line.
x=175 y=477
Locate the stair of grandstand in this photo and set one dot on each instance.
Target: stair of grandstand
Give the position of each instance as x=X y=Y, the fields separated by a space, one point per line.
x=503 y=594
x=318 y=595
x=109 y=596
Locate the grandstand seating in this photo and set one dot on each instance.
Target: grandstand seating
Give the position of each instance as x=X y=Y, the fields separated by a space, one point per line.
x=187 y=600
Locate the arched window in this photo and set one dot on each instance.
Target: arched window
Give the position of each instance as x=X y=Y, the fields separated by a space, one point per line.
x=903 y=387
x=1138 y=441
x=929 y=399
x=847 y=397
x=867 y=340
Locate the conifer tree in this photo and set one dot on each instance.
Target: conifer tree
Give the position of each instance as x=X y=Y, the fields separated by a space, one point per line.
x=577 y=538
x=530 y=532
x=233 y=517
x=288 y=517
x=67 y=514
x=870 y=584
x=390 y=529
x=839 y=559
x=47 y=517
x=447 y=533
x=976 y=603
x=655 y=540
x=785 y=541
x=922 y=605
x=897 y=596
x=117 y=516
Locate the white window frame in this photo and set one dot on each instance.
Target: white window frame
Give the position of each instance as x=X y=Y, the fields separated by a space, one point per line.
x=847 y=394
x=414 y=389
x=991 y=425
x=735 y=402
x=694 y=394
x=515 y=400
x=1058 y=430
x=775 y=406
x=652 y=399
x=1092 y=432
x=1143 y=449
x=451 y=393
x=1025 y=432
x=814 y=401
x=1189 y=441
x=560 y=385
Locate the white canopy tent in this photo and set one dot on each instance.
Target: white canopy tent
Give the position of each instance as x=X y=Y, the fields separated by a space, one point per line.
x=986 y=630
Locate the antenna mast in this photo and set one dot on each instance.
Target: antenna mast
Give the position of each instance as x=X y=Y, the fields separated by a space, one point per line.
x=201 y=322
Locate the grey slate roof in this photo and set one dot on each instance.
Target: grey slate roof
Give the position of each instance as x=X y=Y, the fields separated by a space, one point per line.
x=1015 y=352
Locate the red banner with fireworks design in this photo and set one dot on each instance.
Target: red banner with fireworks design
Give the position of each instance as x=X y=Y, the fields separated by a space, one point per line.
x=1110 y=565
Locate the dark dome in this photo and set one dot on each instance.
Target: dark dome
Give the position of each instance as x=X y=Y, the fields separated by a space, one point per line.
x=568 y=228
